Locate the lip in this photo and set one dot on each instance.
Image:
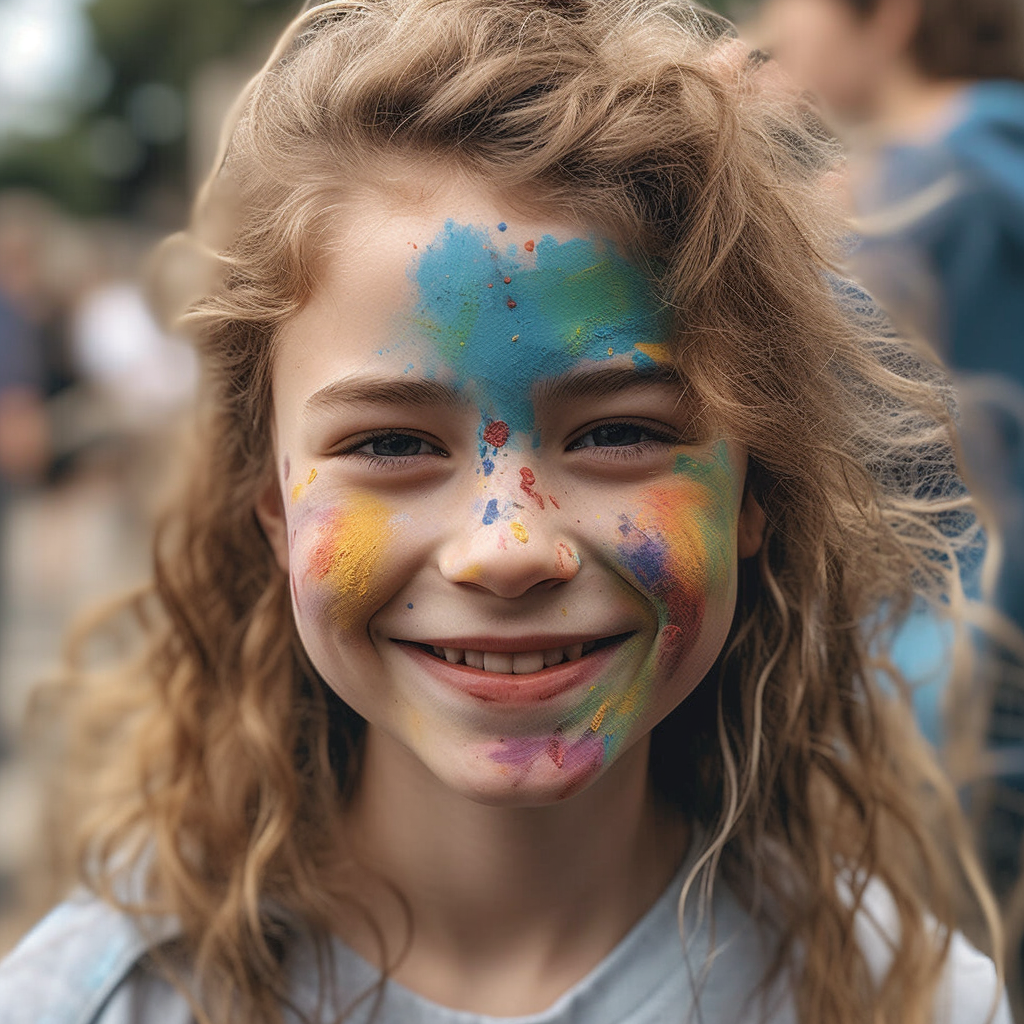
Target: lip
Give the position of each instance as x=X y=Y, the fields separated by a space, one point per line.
x=506 y=687
x=508 y=645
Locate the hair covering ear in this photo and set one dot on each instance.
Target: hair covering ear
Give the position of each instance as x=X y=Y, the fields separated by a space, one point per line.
x=271 y=515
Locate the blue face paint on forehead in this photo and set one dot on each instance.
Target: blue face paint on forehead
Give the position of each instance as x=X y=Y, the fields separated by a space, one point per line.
x=502 y=319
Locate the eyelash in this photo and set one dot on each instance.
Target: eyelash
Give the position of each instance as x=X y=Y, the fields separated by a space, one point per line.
x=385 y=462
x=657 y=438
x=612 y=453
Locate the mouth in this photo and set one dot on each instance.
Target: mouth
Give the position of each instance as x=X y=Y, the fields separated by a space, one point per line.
x=518 y=663
x=517 y=676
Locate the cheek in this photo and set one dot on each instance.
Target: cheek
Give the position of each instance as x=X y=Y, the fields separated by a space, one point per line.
x=679 y=548
x=339 y=560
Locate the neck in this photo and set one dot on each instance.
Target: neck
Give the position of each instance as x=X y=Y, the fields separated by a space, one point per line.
x=535 y=896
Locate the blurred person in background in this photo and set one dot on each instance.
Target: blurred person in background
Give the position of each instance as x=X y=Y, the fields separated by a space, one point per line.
x=24 y=425
x=929 y=97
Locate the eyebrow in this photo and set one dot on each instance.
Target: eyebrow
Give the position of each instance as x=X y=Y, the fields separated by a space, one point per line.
x=424 y=392
x=373 y=390
x=602 y=381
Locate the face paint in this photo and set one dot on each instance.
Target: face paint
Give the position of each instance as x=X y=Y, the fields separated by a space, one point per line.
x=552 y=305
x=344 y=563
x=677 y=548
x=570 y=585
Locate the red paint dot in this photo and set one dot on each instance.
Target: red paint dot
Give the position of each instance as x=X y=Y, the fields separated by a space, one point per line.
x=526 y=482
x=529 y=246
x=511 y=303
x=553 y=502
x=508 y=280
x=490 y=285
x=496 y=433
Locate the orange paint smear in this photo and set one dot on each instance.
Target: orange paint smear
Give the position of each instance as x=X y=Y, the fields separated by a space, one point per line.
x=348 y=555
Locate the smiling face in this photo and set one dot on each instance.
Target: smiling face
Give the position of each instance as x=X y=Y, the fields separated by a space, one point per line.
x=510 y=549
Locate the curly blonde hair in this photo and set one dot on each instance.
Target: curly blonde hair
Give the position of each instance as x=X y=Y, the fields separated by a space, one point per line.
x=215 y=764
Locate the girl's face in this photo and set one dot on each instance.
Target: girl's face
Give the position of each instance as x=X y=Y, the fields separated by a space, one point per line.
x=510 y=549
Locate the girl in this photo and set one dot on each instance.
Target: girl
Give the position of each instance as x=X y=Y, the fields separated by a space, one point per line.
x=503 y=657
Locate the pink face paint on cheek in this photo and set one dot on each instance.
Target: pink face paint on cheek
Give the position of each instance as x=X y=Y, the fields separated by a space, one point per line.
x=345 y=563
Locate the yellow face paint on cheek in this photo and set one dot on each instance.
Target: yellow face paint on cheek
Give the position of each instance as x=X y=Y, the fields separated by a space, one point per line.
x=345 y=563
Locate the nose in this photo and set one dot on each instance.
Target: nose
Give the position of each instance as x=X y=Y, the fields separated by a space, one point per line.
x=509 y=551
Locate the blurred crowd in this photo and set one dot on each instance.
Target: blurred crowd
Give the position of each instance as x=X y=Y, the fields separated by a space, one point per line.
x=89 y=386
x=927 y=99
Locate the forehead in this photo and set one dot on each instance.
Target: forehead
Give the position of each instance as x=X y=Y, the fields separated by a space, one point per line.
x=467 y=286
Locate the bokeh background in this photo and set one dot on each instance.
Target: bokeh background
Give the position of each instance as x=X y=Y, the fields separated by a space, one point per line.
x=110 y=113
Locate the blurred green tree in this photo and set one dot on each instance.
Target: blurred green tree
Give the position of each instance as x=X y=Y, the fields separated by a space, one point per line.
x=125 y=154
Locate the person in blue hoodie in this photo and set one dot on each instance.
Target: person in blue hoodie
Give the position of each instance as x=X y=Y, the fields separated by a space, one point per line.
x=929 y=97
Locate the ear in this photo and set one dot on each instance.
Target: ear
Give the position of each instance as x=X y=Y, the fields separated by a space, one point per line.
x=270 y=513
x=751 y=526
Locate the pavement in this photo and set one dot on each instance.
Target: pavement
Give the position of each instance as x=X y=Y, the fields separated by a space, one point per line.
x=65 y=548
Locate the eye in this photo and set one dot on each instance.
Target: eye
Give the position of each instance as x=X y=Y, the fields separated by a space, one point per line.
x=390 y=449
x=395 y=445
x=618 y=435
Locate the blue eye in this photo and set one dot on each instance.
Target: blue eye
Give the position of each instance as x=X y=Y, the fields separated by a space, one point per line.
x=616 y=435
x=395 y=445
x=391 y=449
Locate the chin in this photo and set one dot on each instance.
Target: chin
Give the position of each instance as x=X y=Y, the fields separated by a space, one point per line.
x=531 y=772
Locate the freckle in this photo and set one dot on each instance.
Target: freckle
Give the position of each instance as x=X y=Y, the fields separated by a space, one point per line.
x=312 y=476
x=511 y=303
x=529 y=245
x=508 y=280
x=519 y=531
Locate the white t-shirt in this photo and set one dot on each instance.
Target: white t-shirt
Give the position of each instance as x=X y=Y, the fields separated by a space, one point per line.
x=86 y=964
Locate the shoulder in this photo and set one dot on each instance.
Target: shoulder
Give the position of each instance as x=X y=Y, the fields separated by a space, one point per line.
x=84 y=964
x=969 y=990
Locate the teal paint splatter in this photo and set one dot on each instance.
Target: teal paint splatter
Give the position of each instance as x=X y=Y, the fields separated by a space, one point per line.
x=567 y=302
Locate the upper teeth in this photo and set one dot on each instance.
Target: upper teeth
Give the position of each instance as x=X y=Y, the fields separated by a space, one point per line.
x=518 y=663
